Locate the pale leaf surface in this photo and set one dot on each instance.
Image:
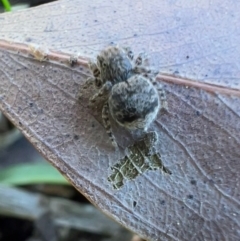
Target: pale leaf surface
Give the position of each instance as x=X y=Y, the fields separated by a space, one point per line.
x=199 y=139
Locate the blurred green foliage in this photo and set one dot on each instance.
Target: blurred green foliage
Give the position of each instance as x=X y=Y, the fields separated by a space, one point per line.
x=6 y=5
x=34 y=173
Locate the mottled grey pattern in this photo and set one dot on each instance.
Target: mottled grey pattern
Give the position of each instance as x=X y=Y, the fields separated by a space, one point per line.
x=134 y=103
x=133 y=96
x=114 y=64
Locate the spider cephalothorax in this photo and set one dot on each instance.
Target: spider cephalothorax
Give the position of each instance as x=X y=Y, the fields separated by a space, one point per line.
x=133 y=97
x=114 y=65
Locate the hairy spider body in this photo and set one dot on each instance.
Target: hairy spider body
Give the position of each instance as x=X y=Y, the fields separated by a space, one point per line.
x=115 y=65
x=135 y=103
x=133 y=98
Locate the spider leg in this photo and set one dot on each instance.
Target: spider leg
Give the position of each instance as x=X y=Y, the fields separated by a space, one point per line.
x=93 y=67
x=145 y=71
x=162 y=94
x=92 y=80
x=96 y=73
x=129 y=52
x=105 y=89
x=163 y=98
x=88 y=82
x=142 y=59
x=107 y=124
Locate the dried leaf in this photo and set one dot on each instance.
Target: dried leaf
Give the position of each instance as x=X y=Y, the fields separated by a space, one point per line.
x=199 y=138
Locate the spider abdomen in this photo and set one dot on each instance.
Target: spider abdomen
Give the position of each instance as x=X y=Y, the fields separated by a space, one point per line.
x=134 y=103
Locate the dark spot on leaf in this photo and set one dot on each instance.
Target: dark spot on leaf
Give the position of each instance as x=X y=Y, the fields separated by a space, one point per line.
x=211 y=181
x=28 y=39
x=193 y=182
x=162 y=202
x=135 y=35
x=76 y=137
x=190 y=196
x=198 y=113
x=134 y=203
x=187 y=57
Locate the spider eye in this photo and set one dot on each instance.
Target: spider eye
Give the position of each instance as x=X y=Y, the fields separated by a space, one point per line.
x=104 y=65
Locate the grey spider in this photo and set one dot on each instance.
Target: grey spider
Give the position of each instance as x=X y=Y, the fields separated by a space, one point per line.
x=132 y=95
